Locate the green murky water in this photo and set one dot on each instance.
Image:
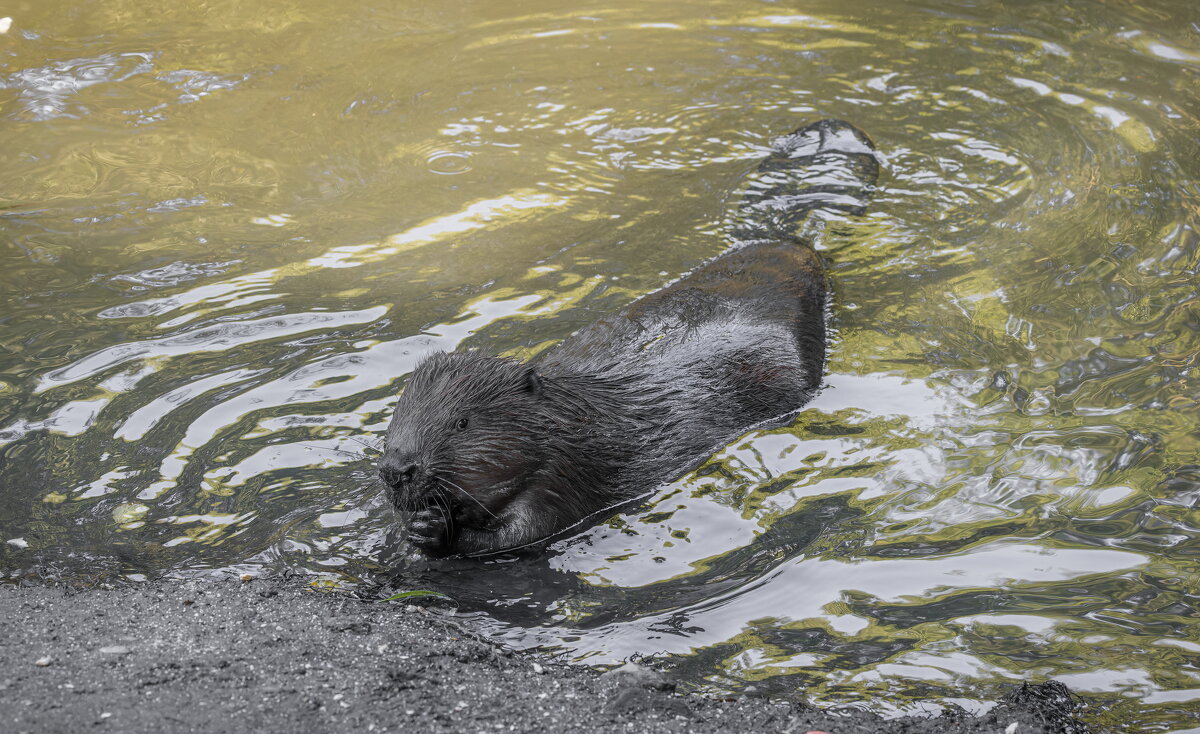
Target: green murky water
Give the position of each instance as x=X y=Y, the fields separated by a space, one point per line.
x=226 y=233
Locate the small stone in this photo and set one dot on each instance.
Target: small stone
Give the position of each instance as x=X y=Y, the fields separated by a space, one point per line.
x=42 y=662
x=106 y=715
x=247 y=578
x=632 y=674
x=538 y=669
x=15 y=542
x=128 y=513
x=628 y=700
x=1011 y=728
x=632 y=699
x=114 y=650
x=5 y=24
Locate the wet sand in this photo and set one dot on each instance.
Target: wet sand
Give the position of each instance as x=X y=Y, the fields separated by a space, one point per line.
x=274 y=656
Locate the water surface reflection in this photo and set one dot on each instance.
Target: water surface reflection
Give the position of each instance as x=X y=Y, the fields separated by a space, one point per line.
x=229 y=235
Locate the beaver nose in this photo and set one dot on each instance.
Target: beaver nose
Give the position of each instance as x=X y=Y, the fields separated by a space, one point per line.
x=398 y=473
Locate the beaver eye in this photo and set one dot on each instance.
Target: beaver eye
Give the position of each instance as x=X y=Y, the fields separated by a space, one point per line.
x=462 y=424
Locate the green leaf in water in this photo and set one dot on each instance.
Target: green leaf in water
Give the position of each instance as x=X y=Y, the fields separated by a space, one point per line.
x=416 y=594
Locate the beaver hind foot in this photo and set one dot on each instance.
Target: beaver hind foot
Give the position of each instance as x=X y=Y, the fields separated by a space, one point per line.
x=487 y=454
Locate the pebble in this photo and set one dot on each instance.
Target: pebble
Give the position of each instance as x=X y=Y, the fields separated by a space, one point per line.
x=5 y=24
x=114 y=650
x=42 y=662
x=247 y=578
x=632 y=674
x=538 y=669
x=1011 y=728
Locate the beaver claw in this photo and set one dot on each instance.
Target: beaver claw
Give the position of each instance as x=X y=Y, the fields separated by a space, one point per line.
x=428 y=531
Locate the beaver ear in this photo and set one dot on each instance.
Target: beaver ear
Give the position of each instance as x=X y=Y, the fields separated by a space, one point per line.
x=533 y=381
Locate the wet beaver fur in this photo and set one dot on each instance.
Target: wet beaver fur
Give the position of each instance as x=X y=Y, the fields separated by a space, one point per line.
x=486 y=453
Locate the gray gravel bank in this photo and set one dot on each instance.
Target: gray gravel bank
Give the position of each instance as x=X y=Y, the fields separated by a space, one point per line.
x=272 y=656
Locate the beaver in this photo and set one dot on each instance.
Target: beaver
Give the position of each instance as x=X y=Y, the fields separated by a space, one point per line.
x=486 y=453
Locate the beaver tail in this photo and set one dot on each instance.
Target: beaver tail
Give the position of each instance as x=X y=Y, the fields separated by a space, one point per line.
x=829 y=165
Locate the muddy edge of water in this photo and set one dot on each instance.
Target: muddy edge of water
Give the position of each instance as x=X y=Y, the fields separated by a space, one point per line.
x=273 y=656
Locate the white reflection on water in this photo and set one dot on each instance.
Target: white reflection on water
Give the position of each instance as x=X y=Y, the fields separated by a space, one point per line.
x=216 y=338
x=149 y=415
x=48 y=91
x=1135 y=132
x=235 y=291
x=802 y=588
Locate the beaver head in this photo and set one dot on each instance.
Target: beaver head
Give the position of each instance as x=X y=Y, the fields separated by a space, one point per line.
x=466 y=441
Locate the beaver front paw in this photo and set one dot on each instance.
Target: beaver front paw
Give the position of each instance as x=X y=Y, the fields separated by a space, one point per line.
x=428 y=530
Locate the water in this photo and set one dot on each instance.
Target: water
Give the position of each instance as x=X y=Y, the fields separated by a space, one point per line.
x=228 y=233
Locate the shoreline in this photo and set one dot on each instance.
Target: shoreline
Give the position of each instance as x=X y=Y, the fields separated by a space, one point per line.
x=272 y=655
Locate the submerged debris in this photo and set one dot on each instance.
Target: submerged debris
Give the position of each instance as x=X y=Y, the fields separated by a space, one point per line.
x=1052 y=701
